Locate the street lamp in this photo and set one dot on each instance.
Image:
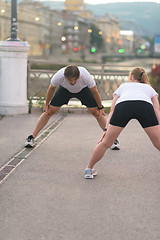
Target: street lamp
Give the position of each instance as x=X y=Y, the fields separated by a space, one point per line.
x=3 y=11
x=36 y=19
x=76 y=28
x=13 y=21
x=63 y=39
x=90 y=30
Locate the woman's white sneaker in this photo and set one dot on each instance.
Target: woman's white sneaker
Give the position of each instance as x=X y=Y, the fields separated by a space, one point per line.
x=90 y=173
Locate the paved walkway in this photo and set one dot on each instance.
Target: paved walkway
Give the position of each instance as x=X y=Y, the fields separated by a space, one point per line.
x=47 y=197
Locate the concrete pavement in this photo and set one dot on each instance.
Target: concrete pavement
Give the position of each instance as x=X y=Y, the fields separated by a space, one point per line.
x=14 y=130
x=47 y=197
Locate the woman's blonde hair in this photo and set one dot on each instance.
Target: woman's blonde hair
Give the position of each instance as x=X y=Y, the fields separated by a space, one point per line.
x=140 y=75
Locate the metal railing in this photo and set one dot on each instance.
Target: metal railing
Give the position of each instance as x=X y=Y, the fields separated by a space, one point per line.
x=107 y=80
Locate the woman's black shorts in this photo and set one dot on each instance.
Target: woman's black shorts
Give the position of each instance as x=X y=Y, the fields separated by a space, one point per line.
x=62 y=96
x=140 y=110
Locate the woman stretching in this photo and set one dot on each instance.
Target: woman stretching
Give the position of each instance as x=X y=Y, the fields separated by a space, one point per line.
x=133 y=100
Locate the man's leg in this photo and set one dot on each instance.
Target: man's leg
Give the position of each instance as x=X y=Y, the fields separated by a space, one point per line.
x=41 y=122
x=43 y=119
x=101 y=120
x=102 y=123
x=60 y=98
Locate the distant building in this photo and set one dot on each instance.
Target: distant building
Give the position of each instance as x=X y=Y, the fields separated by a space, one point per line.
x=30 y=26
x=51 y=24
x=78 y=7
x=74 y=5
x=126 y=41
x=50 y=31
x=5 y=20
x=75 y=33
x=110 y=29
x=37 y=24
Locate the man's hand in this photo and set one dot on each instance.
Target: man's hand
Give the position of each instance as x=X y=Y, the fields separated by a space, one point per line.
x=101 y=113
x=46 y=108
x=50 y=93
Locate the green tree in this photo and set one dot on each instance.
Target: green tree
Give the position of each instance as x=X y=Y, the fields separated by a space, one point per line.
x=155 y=78
x=96 y=39
x=151 y=41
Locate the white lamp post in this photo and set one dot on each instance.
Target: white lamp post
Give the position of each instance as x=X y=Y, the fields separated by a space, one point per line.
x=13 y=71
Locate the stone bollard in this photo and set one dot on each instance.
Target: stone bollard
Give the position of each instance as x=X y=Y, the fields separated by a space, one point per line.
x=13 y=77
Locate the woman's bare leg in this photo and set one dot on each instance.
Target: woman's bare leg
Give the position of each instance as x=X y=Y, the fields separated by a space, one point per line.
x=107 y=140
x=154 y=135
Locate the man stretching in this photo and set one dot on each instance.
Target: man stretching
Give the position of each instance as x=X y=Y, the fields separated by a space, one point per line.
x=73 y=82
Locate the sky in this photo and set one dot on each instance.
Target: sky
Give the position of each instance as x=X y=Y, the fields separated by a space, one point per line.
x=113 y=1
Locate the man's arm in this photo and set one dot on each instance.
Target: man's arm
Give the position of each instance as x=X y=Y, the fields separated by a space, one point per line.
x=50 y=93
x=96 y=95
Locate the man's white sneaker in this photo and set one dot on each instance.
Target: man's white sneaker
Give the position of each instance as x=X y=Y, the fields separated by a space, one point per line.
x=30 y=143
x=115 y=145
x=90 y=173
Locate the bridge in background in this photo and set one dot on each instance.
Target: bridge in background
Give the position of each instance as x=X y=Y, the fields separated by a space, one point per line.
x=128 y=56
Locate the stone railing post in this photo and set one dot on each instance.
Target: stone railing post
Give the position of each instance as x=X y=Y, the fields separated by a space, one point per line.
x=13 y=77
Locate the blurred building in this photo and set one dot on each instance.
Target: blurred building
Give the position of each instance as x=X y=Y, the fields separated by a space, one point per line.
x=51 y=23
x=142 y=47
x=39 y=25
x=47 y=31
x=30 y=26
x=75 y=33
x=110 y=29
x=78 y=7
x=126 y=41
x=5 y=18
x=50 y=31
x=75 y=5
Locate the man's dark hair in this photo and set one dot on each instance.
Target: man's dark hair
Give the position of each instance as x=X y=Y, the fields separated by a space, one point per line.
x=71 y=71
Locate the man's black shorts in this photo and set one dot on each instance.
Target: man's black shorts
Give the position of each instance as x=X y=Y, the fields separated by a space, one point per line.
x=62 y=96
x=140 y=110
